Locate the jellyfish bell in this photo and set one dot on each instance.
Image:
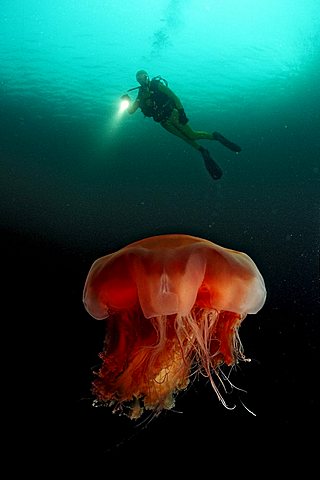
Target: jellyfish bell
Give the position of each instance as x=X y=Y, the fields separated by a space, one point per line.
x=173 y=304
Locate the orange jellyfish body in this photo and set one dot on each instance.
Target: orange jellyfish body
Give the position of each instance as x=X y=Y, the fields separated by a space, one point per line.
x=173 y=305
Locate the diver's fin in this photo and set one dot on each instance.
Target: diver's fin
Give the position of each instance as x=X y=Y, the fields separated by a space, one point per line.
x=220 y=138
x=212 y=167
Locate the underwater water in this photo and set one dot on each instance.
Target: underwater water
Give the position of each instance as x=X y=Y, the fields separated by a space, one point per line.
x=79 y=181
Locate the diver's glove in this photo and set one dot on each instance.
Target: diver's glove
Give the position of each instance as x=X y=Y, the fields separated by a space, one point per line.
x=125 y=97
x=183 y=119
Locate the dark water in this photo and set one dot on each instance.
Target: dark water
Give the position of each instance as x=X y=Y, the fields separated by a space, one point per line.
x=78 y=183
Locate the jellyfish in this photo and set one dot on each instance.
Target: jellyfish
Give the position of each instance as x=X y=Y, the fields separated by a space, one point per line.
x=173 y=305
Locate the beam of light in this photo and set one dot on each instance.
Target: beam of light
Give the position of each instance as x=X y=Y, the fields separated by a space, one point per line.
x=114 y=121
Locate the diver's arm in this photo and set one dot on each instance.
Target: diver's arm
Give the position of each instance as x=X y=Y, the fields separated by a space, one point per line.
x=133 y=106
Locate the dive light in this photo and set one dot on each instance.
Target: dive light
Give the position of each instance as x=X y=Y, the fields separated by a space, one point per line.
x=124 y=102
x=125 y=99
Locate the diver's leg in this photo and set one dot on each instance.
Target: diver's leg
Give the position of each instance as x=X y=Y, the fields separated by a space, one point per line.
x=170 y=127
x=227 y=143
x=200 y=135
x=212 y=167
x=195 y=134
x=185 y=131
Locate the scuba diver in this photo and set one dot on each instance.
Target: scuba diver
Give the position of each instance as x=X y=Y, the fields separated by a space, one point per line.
x=156 y=100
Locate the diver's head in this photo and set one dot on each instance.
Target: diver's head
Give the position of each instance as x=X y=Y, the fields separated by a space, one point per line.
x=142 y=78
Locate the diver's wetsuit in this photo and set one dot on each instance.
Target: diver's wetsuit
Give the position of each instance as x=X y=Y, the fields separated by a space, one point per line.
x=167 y=103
